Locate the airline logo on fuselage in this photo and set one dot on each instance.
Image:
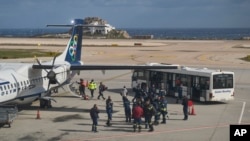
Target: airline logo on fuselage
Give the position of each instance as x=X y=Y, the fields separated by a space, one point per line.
x=73 y=48
x=222 y=91
x=3 y=82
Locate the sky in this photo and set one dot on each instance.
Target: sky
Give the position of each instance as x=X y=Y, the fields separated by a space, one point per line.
x=128 y=13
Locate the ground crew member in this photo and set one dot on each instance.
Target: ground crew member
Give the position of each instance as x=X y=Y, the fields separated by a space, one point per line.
x=185 y=107
x=149 y=111
x=81 y=87
x=92 y=87
x=127 y=109
x=109 y=110
x=102 y=88
x=94 y=116
x=124 y=91
x=138 y=93
x=156 y=104
x=163 y=109
x=137 y=113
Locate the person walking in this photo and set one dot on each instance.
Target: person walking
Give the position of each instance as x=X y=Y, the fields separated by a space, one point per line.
x=180 y=91
x=109 y=110
x=163 y=108
x=81 y=87
x=149 y=111
x=124 y=91
x=94 y=116
x=156 y=104
x=102 y=88
x=185 y=107
x=92 y=87
x=127 y=109
x=137 y=113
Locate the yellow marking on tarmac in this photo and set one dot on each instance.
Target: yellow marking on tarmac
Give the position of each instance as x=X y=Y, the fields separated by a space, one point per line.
x=205 y=58
x=146 y=56
x=111 y=78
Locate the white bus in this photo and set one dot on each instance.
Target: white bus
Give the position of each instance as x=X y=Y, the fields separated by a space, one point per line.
x=197 y=84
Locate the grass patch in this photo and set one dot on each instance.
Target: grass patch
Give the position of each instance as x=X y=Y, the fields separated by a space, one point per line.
x=247 y=58
x=24 y=53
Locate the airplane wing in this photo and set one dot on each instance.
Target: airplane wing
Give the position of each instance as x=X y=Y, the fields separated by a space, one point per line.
x=119 y=67
x=109 y=67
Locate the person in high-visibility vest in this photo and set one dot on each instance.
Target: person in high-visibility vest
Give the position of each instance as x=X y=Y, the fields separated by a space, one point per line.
x=163 y=109
x=92 y=87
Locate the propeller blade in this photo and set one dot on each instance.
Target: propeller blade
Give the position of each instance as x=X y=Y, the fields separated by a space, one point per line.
x=60 y=85
x=48 y=89
x=40 y=64
x=53 y=61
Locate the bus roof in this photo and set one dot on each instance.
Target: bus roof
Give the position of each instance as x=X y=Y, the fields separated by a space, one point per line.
x=194 y=71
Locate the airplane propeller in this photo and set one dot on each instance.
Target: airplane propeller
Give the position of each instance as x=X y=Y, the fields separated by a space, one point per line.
x=51 y=75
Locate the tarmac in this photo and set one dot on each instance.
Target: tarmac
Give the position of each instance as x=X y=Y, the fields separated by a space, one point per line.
x=69 y=119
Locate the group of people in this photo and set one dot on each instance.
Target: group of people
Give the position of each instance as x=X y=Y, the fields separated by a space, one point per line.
x=149 y=105
x=94 y=114
x=92 y=86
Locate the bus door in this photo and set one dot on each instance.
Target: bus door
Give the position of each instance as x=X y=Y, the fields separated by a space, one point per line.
x=171 y=84
x=204 y=88
x=189 y=86
x=156 y=78
x=196 y=88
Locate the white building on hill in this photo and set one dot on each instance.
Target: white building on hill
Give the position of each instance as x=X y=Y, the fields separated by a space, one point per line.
x=100 y=30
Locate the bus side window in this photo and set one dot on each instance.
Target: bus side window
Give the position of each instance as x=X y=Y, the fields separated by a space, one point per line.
x=207 y=85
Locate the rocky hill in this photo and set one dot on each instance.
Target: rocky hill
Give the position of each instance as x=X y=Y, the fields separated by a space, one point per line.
x=112 y=34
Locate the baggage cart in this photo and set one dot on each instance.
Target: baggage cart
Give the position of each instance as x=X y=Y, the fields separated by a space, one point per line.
x=8 y=113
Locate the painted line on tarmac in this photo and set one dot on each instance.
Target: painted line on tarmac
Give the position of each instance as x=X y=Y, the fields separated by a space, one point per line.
x=242 y=109
x=242 y=112
x=151 y=133
x=114 y=77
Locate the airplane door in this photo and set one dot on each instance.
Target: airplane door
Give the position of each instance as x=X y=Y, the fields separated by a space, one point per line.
x=15 y=86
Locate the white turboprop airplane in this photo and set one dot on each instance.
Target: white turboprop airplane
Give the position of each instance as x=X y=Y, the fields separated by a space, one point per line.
x=23 y=83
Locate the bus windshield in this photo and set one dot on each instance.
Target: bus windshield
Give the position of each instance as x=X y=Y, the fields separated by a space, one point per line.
x=222 y=81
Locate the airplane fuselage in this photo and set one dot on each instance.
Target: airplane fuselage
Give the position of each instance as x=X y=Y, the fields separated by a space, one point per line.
x=21 y=84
